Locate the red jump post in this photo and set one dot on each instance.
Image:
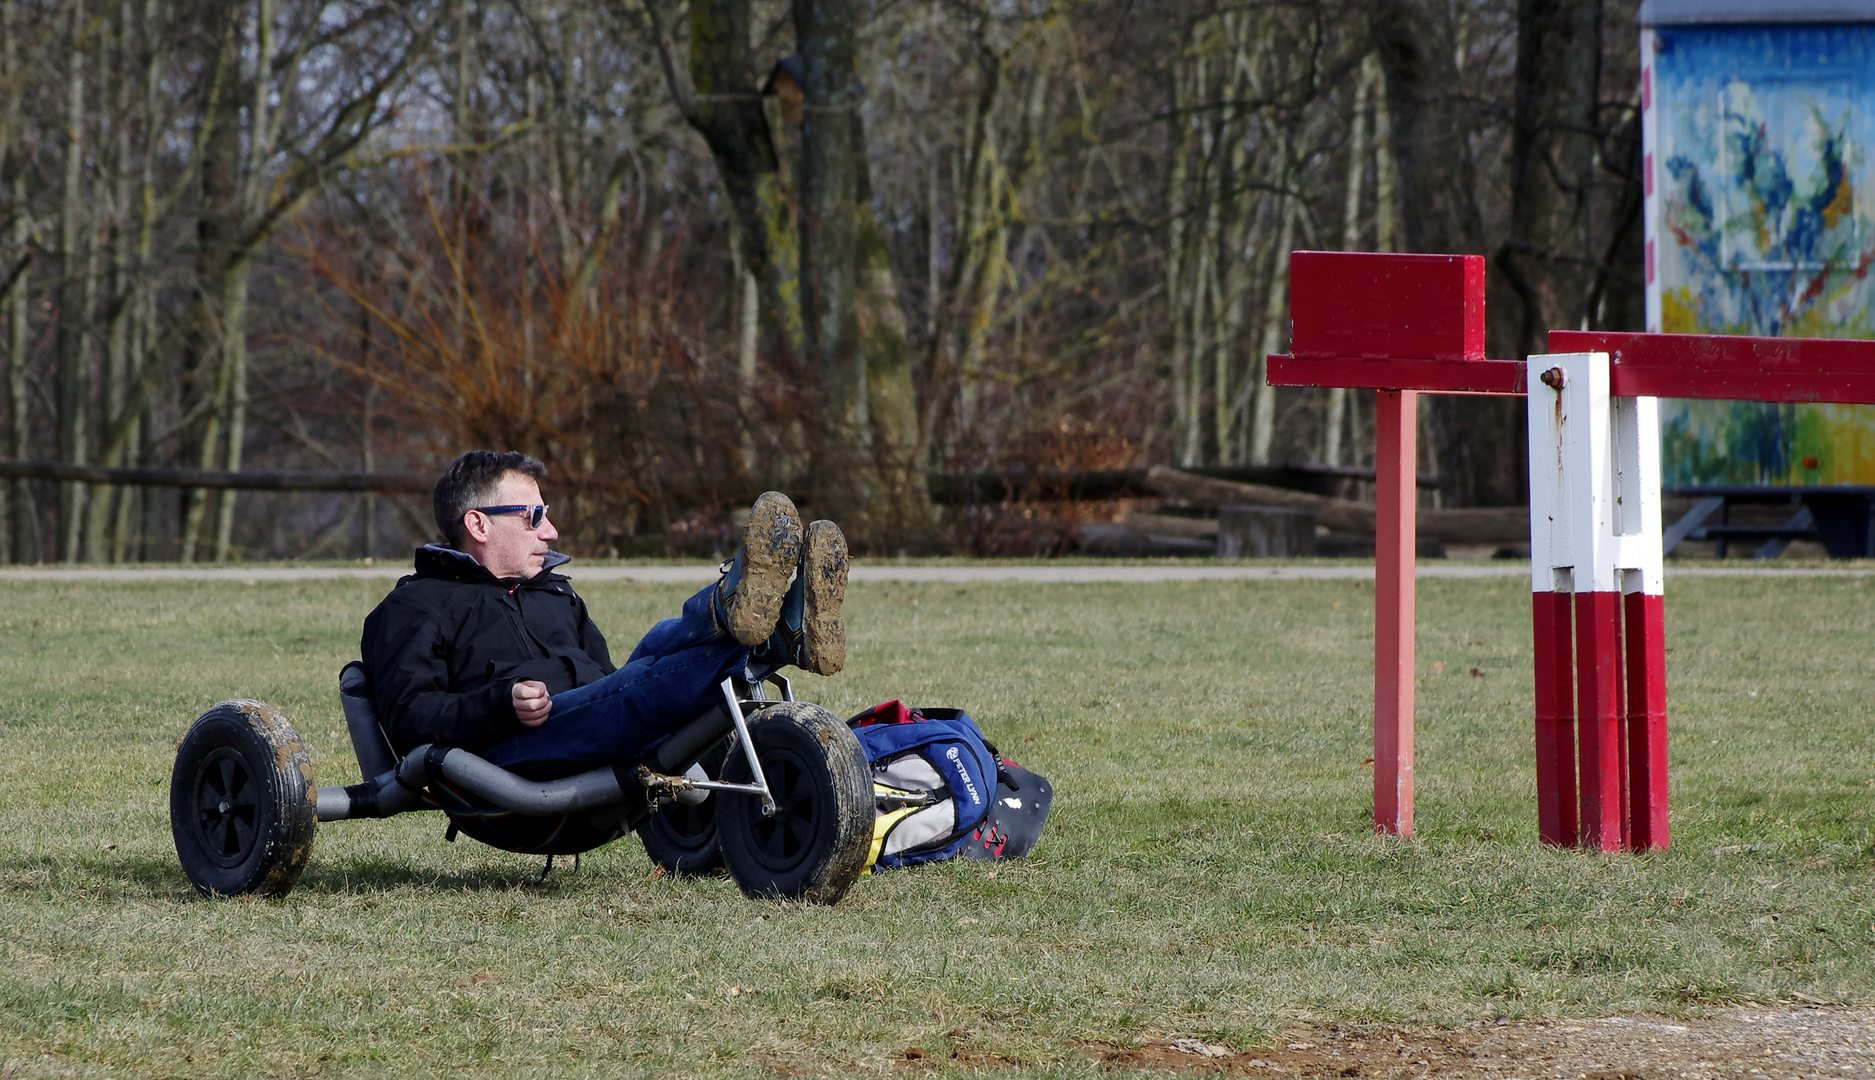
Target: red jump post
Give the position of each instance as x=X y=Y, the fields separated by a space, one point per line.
x=1399 y=324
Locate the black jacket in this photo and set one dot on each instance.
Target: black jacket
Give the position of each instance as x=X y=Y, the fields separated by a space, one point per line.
x=446 y=647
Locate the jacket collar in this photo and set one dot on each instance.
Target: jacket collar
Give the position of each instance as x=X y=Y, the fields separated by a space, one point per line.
x=448 y=564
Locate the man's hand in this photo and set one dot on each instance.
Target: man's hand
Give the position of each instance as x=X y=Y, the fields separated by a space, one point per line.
x=532 y=703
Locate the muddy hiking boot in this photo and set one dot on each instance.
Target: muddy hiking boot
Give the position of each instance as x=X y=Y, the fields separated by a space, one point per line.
x=748 y=598
x=810 y=616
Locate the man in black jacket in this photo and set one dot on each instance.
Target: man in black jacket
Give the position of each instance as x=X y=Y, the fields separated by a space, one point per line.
x=485 y=647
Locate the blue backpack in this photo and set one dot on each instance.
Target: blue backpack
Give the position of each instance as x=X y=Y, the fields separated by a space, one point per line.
x=934 y=777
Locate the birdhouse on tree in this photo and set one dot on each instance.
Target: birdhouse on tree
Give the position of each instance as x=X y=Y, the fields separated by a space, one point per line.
x=787 y=84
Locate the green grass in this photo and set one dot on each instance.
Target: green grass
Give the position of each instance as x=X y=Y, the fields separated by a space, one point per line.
x=1209 y=869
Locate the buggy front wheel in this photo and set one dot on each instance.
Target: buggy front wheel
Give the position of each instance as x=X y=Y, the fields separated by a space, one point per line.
x=241 y=801
x=814 y=846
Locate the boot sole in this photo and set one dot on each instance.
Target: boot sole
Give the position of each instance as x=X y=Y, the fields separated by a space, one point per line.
x=823 y=632
x=771 y=547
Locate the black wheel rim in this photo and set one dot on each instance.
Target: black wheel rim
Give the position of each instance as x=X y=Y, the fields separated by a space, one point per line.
x=689 y=825
x=693 y=828
x=227 y=807
x=783 y=841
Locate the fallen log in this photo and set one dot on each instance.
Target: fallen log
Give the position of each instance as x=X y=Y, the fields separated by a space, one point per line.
x=1469 y=525
x=1069 y=485
x=1202 y=492
x=1189 y=528
x=1477 y=524
x=1126 y=541
x=1047 y=485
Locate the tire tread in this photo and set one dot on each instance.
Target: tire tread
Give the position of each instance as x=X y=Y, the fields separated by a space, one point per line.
x=829 y=875
x=281 y=763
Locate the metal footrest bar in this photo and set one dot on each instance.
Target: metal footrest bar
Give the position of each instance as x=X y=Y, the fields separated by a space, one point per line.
x=657 y=781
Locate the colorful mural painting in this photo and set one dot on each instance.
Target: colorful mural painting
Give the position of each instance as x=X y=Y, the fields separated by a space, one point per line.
x=1760 y=221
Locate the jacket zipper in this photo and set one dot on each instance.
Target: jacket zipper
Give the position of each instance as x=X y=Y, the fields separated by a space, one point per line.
x=520 y=624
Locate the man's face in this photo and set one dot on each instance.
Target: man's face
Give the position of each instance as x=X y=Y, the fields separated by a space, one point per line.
x=503 y=542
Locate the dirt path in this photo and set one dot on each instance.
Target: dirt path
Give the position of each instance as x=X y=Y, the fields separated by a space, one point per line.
x=1751 y=1043
x=948 y=573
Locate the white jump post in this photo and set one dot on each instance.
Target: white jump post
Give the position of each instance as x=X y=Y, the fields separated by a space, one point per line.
x=1597 y=607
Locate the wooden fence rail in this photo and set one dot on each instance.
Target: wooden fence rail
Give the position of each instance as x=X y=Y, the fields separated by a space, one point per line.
x=1189 y=487
x=216 y=478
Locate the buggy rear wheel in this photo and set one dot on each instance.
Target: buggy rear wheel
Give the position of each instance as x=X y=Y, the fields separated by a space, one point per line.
x=241 y=801
x=682 y=838
x=814 y=846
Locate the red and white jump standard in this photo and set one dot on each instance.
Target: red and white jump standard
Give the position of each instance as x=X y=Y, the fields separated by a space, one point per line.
x=1596 y=591
x=1409 y=324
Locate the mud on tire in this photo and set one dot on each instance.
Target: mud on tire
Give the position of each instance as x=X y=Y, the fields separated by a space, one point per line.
x=815 y=845
x=242 y=800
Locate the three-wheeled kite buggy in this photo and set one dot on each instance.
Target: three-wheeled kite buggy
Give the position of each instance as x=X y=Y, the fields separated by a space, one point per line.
x=777 y=791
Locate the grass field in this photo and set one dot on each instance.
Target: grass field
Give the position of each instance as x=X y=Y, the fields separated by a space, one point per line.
x=1209 y=870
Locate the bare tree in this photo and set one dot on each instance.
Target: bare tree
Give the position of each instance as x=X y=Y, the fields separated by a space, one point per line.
x=840 y=246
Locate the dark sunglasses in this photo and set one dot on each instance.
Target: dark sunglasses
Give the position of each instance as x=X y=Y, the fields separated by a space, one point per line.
x=535 y=514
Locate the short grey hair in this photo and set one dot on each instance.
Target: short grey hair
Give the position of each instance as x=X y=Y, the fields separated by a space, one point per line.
x=471 y=480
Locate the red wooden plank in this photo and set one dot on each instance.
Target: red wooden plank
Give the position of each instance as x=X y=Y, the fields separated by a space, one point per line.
x=1378 y=306
x=1646 y=644
x=1555 y=719
x=1432 y=376
x=1598 y=718
x=1730 y=368
x=1396 y=459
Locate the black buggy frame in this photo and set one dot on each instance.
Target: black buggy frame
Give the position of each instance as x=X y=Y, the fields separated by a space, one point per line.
x=778 y=792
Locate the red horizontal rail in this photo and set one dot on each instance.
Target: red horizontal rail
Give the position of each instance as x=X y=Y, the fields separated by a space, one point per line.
x=1432 y=376
x=1729 y=368
x=1720 y=367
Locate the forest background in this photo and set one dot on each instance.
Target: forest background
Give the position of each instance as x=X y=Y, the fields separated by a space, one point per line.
x=683 y=252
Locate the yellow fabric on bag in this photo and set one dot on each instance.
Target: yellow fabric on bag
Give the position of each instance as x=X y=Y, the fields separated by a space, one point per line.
x=883 y=824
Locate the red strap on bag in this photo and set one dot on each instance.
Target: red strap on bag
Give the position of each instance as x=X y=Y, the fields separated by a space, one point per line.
x=892 y=712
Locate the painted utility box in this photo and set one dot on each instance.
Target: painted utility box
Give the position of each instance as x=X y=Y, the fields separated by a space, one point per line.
x=1758 y=124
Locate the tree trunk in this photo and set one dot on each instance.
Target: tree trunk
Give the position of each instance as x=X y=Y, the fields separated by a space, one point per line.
x=1479 y=441
x=234 y=353
x=1263 y=416
x=1334 y=419
x=824 y=32
x=253 y=198
x=1230 y=270
x=891 y=399
x=748 y=342
x=22 y=508
x=1177 y=255
x=957 y=302
x=1430 y=127
x=1547 y=258
x=1617 y=297
x=120 y=285
x=1197 y=271
x=74 y=327
x=723 y=105
x=221 y=257
x=22 y=539
x=14 y=267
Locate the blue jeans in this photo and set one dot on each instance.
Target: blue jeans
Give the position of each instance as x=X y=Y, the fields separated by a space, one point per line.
x=670 y=680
